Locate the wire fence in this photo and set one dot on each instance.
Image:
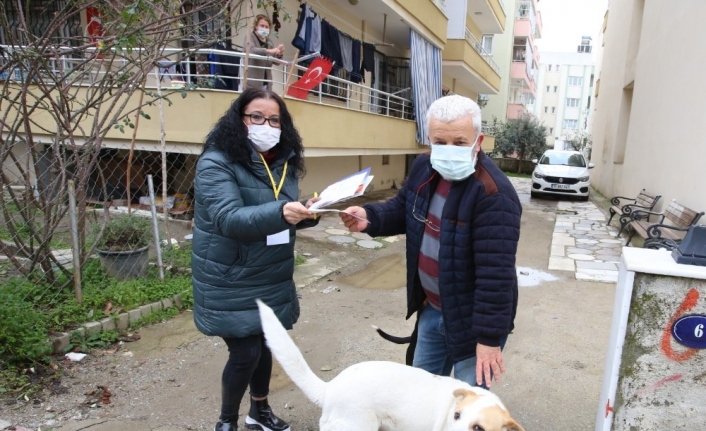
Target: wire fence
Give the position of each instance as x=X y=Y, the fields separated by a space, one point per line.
x=57 y=223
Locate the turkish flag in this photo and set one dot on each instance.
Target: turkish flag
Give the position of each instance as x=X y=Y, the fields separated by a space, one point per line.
x=318 y=71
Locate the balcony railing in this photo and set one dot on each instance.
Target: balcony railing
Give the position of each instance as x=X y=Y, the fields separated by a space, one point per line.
x=525 y=10
x=471 y=39
x=179 y=65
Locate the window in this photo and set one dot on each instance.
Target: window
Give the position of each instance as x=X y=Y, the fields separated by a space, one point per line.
x=571 y=124
x=572 y=103
x=488 y=43
x=386 y=159
x=553 y=109
x=551 y=130
x=547 y=89
x=585 y=49
x=545 y=109
x=550 y=67
x=557 y=67
x=575 y=81
x=555 y=88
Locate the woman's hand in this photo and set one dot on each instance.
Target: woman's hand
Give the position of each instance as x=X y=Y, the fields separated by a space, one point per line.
x=294 y=212
x=355 y=218
x=312 y=201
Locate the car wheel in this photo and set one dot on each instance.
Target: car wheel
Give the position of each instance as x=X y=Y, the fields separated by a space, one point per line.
x=534 y=194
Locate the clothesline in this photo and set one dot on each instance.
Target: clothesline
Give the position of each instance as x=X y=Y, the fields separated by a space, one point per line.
x=367 y=36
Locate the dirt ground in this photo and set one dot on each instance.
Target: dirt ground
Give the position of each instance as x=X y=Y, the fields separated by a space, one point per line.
x=170 y=378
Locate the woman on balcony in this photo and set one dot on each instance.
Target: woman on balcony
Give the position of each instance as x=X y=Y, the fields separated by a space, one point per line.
x=246 y=189
x=259 y=74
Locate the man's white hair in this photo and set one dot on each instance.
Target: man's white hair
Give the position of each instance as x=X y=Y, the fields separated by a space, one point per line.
x=454 y=107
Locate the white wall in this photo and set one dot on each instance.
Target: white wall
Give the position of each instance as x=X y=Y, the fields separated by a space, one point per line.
x=663 y=135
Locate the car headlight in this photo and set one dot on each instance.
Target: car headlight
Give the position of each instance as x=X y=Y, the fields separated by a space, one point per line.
x=584 y=179
x=538 y=175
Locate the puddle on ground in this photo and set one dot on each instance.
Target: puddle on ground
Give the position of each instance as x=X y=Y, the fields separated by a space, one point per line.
x=527 y=277
x=385 y=273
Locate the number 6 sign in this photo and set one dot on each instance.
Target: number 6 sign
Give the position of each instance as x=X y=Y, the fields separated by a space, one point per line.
x=689 y=331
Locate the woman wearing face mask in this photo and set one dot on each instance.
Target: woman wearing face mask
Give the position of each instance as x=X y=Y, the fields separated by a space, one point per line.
x=259 y=71
x=246 y=189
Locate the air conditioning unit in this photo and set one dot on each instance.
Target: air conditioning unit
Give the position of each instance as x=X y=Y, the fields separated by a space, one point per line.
x=484 y=97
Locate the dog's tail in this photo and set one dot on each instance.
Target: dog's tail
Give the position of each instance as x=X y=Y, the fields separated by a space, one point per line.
x=290 y=357
x=392 y=338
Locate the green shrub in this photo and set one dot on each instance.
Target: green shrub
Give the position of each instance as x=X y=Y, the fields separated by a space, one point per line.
x=124 y=232
x=23 y=330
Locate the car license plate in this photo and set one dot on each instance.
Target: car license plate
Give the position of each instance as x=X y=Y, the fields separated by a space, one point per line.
x=560 y=186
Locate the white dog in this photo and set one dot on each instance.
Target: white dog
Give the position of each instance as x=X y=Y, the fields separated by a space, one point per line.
x=387 y=396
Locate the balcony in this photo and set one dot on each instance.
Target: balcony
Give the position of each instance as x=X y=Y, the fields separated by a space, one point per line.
x=374 y=121
x=466 y=61
x=488 y=15
x=528 y=22
x=421 y=14
x=519 y=103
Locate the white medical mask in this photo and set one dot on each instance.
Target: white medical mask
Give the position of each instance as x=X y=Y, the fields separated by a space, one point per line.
x=263 y=32
x=453 y=162
x=263 y=136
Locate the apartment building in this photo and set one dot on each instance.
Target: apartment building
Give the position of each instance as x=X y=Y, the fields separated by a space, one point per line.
x=420 y=48
x=565 y=92
x=650 y=102
x=517 y=57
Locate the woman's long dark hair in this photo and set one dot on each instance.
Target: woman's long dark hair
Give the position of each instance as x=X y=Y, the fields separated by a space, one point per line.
x=230 y=134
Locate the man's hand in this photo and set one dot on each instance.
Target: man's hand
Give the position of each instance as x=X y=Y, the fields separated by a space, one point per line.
x=488 y=359
x=294 y=212
x=355 y=218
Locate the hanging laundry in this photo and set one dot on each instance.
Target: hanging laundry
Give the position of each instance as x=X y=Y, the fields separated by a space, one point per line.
x=356 y=76
x=368 y=59
x=346 y=51
x=331 y=44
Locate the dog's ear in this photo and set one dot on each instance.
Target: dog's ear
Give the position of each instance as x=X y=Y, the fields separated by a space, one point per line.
x=512 y=426
x=462 y=394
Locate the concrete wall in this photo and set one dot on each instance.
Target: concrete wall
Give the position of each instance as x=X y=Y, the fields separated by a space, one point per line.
x=648 y=130
x=322 y=171
x=662 y=382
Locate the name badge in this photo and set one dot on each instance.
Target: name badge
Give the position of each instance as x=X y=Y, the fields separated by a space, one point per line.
x=278 y=238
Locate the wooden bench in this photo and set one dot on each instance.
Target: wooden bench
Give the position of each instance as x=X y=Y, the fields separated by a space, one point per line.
x=625 y=206
x=658 y=235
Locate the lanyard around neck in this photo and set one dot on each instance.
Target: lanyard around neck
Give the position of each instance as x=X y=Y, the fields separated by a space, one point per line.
x=275 y=188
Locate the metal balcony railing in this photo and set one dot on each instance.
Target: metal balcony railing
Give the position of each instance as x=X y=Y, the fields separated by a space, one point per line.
x=471 y=39
x=176 y=70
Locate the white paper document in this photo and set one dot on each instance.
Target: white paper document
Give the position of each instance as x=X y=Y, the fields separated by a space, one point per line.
x=278 y=238
x=346 y=188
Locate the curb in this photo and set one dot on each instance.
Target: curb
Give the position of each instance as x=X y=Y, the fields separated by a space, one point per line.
x=61 y=340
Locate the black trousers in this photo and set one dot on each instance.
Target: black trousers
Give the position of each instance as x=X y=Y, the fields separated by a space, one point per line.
x=249 y=363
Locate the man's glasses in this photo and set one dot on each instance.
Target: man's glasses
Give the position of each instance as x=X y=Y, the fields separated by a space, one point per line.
x=421 y=219
x=260 y=119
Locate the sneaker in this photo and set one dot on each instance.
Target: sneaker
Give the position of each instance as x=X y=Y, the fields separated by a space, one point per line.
x=225 y=426
x=261 y=418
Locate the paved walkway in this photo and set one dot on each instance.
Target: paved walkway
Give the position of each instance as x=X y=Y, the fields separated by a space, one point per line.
x=583 y=243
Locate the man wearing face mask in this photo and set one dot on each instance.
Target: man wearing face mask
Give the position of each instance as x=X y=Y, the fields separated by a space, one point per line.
x=461 y=216
x=258 y=42
x=246 y=213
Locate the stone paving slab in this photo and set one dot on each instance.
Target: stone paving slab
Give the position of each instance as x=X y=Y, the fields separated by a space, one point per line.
x=583 y=243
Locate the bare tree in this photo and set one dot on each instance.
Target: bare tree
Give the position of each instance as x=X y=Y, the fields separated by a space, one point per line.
x=63 y=89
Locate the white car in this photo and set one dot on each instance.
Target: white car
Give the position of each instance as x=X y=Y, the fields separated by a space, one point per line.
x=561 y=173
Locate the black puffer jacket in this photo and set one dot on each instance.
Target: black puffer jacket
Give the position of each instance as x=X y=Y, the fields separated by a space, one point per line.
x=480 y=229
x=235 y=211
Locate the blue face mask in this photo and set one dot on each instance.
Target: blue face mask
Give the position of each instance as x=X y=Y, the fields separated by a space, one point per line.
x=453 y=162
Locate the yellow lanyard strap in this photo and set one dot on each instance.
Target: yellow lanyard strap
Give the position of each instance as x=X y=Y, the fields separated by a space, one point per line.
x=275 y=187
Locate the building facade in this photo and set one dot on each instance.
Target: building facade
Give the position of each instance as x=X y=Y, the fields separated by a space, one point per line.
x=517 y=57
x=346 y=124
x=651 y=103
x=565 y=93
